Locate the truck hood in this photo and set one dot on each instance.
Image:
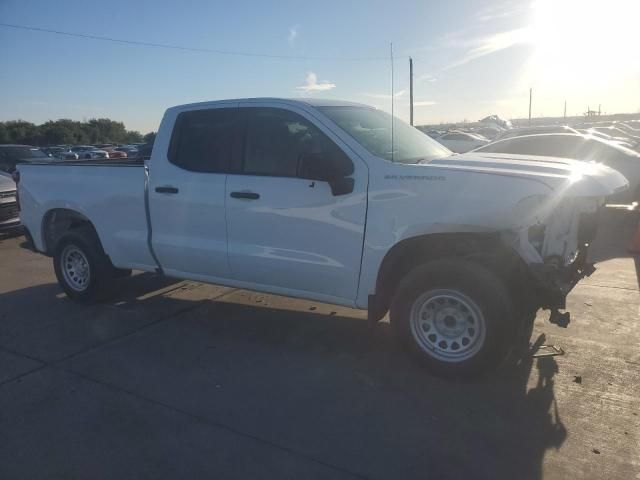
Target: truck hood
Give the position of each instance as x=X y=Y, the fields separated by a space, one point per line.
x=573 y=177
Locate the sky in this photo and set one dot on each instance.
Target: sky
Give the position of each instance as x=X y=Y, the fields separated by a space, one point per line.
x=472 y=58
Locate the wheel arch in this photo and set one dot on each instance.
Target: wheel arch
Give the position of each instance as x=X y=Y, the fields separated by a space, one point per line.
x=485 y=248
x=58 y=221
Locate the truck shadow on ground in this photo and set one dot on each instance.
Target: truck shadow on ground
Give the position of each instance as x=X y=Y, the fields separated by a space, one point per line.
x=346 y=392
x=499 y=426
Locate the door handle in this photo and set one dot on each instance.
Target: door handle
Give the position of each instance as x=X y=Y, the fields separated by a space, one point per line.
x=246 y=195
x=166 y=189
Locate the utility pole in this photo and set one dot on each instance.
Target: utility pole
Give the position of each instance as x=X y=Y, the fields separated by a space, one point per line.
x=411 y=91
x=565 y=109
x=530 y=97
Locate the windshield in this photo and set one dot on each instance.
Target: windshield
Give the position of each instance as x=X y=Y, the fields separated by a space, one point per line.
x=372 y=129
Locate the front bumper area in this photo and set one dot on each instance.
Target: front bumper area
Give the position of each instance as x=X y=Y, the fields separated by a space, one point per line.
x=556 y=251
x=553 y=283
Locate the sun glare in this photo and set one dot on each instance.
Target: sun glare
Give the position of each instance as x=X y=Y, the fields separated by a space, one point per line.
x=583 y=46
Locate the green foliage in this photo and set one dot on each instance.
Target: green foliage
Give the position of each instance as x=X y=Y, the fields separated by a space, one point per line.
x=65 y=131
x=148 y=138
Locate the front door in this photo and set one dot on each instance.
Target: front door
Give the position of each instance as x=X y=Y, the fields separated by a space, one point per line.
x=288 y=232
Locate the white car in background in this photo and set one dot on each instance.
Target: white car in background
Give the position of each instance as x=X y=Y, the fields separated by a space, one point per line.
x=88 y=152
x=9 y=211
x=519 y=132
x=621 y=141
x=461 y=142
x=587 y=148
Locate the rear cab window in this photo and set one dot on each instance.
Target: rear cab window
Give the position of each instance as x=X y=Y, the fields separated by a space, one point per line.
x=203 y=140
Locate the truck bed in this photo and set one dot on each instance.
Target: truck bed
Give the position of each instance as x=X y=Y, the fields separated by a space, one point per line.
x=105 y=191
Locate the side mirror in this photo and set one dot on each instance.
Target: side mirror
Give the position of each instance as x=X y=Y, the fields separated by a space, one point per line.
x=333 y=169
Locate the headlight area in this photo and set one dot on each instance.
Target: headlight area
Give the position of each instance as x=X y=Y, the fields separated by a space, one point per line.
x=555 y=248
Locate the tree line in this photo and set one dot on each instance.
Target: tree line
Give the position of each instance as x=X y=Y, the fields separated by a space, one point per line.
x=65 y=131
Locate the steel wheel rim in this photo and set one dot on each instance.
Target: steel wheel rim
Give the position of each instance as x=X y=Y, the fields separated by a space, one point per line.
x=447 y=325
x=75 y=268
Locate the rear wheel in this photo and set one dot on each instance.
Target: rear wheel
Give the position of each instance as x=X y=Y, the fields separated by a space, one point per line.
x=455 y=317
x=82 y=268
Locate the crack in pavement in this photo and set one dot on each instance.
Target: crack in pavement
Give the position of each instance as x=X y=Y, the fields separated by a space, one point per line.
x=213 y=423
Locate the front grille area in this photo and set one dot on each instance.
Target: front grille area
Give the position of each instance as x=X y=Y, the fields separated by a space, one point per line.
x=9 y=211
x=9 y=194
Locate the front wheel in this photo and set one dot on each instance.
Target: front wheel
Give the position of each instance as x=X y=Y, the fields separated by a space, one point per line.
x=455 y=317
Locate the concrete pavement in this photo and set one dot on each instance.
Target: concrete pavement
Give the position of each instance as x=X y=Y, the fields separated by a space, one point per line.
x=179 y=379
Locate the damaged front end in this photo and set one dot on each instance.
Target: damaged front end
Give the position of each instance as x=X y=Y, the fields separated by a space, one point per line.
x=554 y=244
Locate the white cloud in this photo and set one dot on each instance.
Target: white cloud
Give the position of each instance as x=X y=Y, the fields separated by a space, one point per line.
x=493 y=43
x=385 y=96
x=312 y=84
x=293 y=34
x=426 y=78
x=424 y=103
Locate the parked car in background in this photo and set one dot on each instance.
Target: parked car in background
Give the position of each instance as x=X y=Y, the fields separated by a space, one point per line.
x=489 y=133
x=519 y=132
x=60 y=153
x=629 y=127
x=144 y=151
x=461 y=142
x=12 y=155
x=88 y=152
x=114 y=152
x=619 y=133
x=622 y=141
x=128 y=149
x=67 y=156
x=53 y=151
x=9 y=212
x=578 y=147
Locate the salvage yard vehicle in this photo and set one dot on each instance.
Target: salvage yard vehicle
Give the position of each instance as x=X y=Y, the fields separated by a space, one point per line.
x=461 y=142
x=315 y=199
x=579 y=147
x=519 y=132
x=9 y=213
x=89 y=152
x=12 y=155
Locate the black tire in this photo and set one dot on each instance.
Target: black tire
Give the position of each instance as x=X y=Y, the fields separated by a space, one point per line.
x=435 y=337
x=100 y=270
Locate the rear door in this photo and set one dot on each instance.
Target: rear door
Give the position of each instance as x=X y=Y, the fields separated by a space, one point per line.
x=289 y=233
x=187 y=194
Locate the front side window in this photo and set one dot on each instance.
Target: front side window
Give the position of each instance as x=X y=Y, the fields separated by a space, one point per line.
x=202 y=140
x=371 y=128
x=277 y=140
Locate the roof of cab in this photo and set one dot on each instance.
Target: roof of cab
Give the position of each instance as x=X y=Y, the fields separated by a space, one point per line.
x=312 y=102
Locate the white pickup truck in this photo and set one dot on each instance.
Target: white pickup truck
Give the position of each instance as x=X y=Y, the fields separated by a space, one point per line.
x=315 y=199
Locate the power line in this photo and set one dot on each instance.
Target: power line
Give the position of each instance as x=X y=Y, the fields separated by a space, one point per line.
x=190 y=49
